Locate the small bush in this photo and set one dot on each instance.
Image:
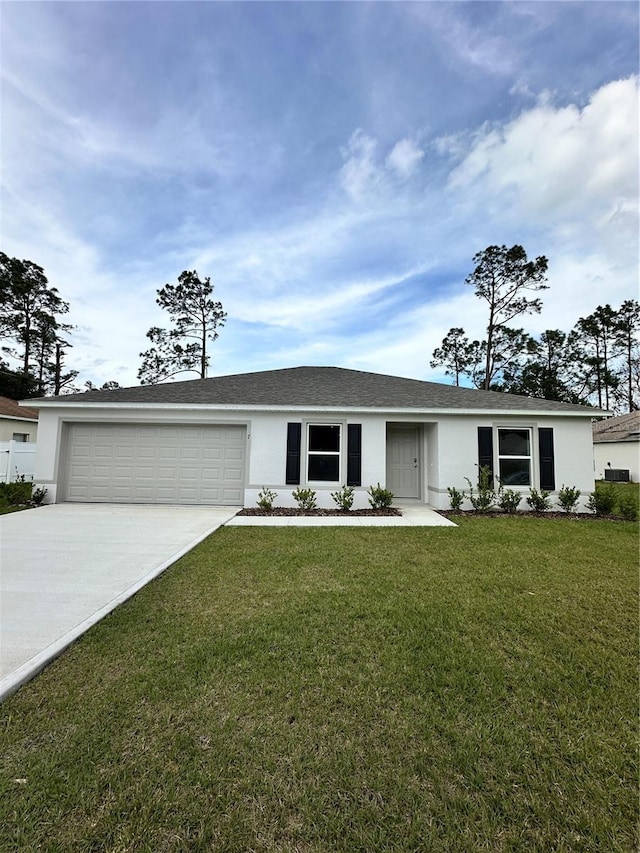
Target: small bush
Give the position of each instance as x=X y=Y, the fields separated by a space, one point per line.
x=539 y=501
x=379 y=497
x=509 y=500
x=627 y=507
x=38 y=495
x=16 y=494
x=568 y=497
x=603 y=500
x=485 y=499
x=456 y=497
x=305 y=498
x=266 y=497
x=344 y=498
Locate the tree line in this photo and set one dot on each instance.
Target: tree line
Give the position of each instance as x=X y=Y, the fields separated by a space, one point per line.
x=35 y=338
x=597 y=362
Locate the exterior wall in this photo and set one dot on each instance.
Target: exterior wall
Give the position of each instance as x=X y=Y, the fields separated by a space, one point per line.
x=449 y=447
x=617 y=454
x=9 y=426
x=50 y=456
x=268 y=456
x=458 y=453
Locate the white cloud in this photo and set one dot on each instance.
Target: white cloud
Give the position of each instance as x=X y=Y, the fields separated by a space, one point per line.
x=404 y=158
x=554 y=163
x=359 y=174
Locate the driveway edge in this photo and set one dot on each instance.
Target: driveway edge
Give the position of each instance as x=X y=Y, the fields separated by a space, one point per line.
x=12 y=682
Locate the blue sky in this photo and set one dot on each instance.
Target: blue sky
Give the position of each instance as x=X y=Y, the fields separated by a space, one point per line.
x=333 y=167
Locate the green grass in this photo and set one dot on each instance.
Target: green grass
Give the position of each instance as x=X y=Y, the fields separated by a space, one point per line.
x=329 y=689
x=6 y=508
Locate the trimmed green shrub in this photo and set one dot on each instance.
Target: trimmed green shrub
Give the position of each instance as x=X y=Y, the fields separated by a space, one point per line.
x=17 y=493
x=627 y=507
x=485 y=499
x=509 y=500
x=539 y=501
x=266 y=497
x=603 y=500
x=456 y=497
x=305 y=498
x=379 y=497
x=568 y=497
x=344 y=498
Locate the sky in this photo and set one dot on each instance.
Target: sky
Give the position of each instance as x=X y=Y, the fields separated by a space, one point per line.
x=332 y=166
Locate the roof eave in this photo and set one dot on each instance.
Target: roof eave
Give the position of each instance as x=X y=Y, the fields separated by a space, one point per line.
x=361 y=410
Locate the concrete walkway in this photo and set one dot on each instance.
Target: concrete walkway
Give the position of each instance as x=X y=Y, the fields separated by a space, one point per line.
x=64 y=567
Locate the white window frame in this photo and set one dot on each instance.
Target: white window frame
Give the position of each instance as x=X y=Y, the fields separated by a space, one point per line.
x=500 y=456
x=309 y=453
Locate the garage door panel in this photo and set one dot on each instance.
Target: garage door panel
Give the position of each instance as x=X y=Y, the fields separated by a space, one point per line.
x=155 y=463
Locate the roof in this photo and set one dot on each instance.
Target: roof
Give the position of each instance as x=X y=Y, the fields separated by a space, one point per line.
x=326 y=387
x=11 y=409
x=622 y=428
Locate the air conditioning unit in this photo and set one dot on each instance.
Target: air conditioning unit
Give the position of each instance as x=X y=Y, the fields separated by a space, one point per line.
x=616 y=475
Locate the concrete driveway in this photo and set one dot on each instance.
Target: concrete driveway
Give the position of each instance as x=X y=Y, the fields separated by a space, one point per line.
x=65 y=566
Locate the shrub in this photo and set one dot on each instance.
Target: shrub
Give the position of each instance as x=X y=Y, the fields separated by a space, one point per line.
x=539 y=501
x=16 y=494
x=568 y=498
x=305 y=498
x=379 y=497
x=38 y=495
x=266 y=497
x=456 y=497
x=603 y=500
x=485 y=499
x=627 y=507
x=344 y=498
x=509 y=500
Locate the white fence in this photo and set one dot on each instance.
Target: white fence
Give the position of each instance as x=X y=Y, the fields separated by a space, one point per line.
x=17 y=459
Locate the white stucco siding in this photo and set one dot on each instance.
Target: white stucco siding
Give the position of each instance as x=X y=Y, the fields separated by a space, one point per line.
x=617 y=454
x=267 y=465
x=574 y=454
x=449 y=446
x=457 y=453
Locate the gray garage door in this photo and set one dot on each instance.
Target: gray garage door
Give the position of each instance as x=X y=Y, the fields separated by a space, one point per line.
x=133 y=463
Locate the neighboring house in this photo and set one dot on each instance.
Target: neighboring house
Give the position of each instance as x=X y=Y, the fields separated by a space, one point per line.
x=18 y=433
x=616 y=447
x=220 y=440
x=17 y=423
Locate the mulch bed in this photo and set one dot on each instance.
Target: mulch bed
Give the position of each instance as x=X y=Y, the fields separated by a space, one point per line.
x=294 y=511
x=573 y=516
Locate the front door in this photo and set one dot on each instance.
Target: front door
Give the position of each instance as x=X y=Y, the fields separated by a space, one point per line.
x=403 y=460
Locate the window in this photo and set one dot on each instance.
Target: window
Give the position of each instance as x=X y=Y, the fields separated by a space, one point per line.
x=323 y=453
x=514 y=457
x=20 y=436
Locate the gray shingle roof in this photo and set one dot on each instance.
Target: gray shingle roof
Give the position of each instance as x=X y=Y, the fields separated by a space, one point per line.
x=321 y=386
x=621 y=428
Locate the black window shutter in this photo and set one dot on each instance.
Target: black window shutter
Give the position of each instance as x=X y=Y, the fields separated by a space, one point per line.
x=547 y=461
x=354 y=454
x=485 y=448
x=294 y=437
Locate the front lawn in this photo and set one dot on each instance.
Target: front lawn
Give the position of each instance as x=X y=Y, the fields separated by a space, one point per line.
x=332 y=689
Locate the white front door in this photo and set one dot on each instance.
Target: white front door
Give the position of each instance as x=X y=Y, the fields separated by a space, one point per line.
x=403 y=461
